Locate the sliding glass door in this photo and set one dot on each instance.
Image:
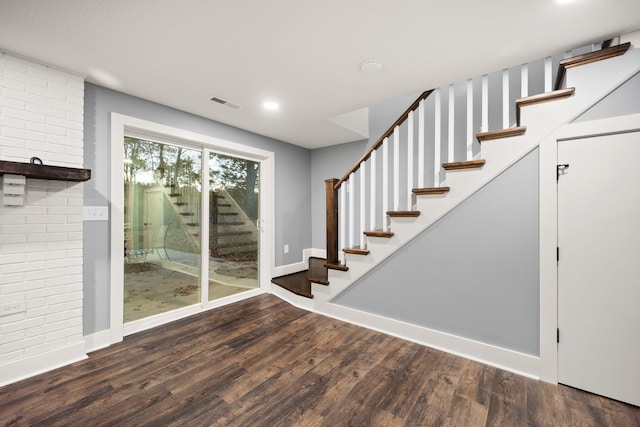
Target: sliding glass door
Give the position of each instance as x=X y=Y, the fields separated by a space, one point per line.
x=168 y=211
x=234 y=239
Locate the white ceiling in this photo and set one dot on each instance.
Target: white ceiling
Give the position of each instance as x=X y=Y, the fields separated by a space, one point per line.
x=305 y=54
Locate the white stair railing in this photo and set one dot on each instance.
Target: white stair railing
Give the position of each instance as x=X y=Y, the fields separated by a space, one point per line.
x=408 y=150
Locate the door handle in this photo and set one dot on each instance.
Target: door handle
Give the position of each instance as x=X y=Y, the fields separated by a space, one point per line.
x=560 y=169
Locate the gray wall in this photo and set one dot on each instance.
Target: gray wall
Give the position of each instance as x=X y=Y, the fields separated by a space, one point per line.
x=327 y=163
x=383 y=114
x=623 y=101
x=474 y=273
x=292 y=182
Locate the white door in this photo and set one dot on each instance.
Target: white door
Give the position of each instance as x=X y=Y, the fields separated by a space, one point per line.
x=599 y=265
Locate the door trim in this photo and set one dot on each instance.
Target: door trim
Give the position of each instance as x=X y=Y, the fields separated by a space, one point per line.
x=132 y=126
x=548 y=211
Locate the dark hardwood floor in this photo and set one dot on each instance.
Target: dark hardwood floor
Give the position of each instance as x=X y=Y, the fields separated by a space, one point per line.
x=262 y=362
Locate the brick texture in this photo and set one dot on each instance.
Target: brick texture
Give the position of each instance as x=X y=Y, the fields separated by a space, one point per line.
x=41 y=114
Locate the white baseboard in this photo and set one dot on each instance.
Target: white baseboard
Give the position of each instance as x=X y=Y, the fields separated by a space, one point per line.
x=98 y=340
x=31 y=366
x=293 y=299
x=283 y=270
x=314 y=252
x=509 y=360
x=295 y=267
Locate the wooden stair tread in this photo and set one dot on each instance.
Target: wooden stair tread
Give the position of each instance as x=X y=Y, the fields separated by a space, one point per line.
x=180 y=203
x=174 y=194
x=545 y=97
x=430 y=190
x=379 y=233
x=403 y=214
x=228 y=213
x=187 y=213
x=338 y=267
x=295 y=282
x=356 y=251
x=469 y=164
x=588 y=58
x=502 y=133
x=229 y=223
x=542 y=97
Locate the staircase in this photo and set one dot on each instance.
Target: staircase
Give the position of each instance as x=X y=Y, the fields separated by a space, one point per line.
x=185 y=202
x=380 y=204
x=232 y=234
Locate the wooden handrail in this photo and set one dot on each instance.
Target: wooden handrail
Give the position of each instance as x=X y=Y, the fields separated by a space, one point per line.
x=388 y=133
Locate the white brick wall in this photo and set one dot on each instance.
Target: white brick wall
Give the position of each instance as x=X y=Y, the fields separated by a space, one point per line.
x=41 y=114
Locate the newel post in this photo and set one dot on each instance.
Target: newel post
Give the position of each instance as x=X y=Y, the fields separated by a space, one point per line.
x=332 y=221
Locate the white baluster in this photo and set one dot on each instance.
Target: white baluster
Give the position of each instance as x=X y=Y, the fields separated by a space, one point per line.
x=421 y=144
x=409 y=160
x=372 y=201
x=385 y=181
x=524 y=80
x=396 y=168
x=437 y=142
x=469 y=119
x=363 y=182
x=451 y=141
x=343 y=220
x=548 y=74
x=484 y=127
x=352 y=213
x=505 y=98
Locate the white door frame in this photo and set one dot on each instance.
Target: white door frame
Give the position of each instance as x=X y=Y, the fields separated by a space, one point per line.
x=549 y=228
x=131 y=126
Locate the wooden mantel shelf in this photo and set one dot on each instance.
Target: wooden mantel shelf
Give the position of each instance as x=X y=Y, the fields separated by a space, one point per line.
x=56 y=173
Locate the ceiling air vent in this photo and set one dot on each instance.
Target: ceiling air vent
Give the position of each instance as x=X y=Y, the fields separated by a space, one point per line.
x=226 y=104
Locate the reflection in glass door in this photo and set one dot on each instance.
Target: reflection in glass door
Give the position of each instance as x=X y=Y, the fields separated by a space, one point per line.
x=161 y=228
x=163 y=204
x=234 y=199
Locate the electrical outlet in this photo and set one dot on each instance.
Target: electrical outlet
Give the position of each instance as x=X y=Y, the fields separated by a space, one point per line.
x=286 y=249
x=12 y=308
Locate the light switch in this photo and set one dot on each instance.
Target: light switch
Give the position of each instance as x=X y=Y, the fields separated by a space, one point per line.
x=96 y=213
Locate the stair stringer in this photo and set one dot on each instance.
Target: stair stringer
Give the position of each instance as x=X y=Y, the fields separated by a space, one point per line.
x=541 y=120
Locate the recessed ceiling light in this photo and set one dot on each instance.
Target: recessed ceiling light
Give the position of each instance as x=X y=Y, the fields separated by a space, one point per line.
x=371 y=66
x=565 y=1
x=271 y=105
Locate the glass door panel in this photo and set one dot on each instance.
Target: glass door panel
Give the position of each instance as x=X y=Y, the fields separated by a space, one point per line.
x=162 y=210
x=234 y=238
